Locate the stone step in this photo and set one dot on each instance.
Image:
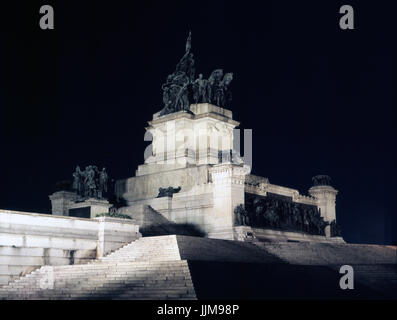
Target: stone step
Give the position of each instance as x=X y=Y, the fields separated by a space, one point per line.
x=155 y=272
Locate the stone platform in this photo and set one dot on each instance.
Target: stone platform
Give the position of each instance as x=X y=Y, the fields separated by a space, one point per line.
x=183 y=267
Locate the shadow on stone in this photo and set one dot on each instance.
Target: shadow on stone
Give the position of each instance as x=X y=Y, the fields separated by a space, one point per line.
x=185 y=229
x=257 y=281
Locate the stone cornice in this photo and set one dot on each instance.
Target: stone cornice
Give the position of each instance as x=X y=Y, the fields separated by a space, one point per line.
x=196 y=112
x=323 y=189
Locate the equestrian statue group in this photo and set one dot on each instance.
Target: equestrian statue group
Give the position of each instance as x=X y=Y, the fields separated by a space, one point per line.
x=181 y=86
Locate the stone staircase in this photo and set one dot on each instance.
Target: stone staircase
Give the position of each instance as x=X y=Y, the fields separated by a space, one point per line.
x=161 y=248
x=184 y=267
x=149 y=268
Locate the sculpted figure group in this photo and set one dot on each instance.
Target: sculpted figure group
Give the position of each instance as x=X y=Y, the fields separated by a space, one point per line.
x=215 y=90
x=321 y=180
x=90 y=183
x=268 y=212
x=181 y=85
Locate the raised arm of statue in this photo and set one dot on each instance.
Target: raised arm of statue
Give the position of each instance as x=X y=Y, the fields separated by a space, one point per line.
x=189 y=42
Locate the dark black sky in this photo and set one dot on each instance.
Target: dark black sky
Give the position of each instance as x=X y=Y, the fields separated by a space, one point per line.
x=319 y=100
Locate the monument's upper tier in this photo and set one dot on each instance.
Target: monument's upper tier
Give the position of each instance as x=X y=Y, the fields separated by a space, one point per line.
x=197 y=111
x=200 y=135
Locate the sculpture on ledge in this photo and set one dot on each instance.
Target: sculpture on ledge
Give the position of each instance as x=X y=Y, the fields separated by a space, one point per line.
x=218 y=88
x=321 y=180
x=90 y=183
x=279 y=213
x=168 y=192
x=181 y=85
x=335 y=229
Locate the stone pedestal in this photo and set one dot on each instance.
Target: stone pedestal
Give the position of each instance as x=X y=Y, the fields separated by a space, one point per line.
x=96 y=206
x=61 y=202
x=186 y=138
x=186 y=150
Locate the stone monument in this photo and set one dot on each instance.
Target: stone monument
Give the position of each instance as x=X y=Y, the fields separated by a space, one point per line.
x=193 y=175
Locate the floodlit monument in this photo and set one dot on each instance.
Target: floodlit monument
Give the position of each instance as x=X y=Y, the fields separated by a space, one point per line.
x=258 y=240
x=193 y=173
x=192 y=155
x=209 y=183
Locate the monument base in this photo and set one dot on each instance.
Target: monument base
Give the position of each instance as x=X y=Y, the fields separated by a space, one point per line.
x=192 y=152
x=89 y=208
x=246 y=233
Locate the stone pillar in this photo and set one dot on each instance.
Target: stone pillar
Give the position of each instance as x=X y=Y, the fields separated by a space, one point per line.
x=113 y=233
x=61 y=201
x=228 y=193
x=326 y=197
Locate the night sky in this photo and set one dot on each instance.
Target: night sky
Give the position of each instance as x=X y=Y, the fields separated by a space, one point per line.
x=319 y=100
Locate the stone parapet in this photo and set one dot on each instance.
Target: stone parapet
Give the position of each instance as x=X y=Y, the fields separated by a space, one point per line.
x=31 y=240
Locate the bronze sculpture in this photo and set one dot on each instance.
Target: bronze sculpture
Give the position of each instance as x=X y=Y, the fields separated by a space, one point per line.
x=321 y=180
x=103 y=182
x=168 y=192
x=78 y=184
x=90 y=183
x=280 y=213
x=181 y=84
x=200 y=87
